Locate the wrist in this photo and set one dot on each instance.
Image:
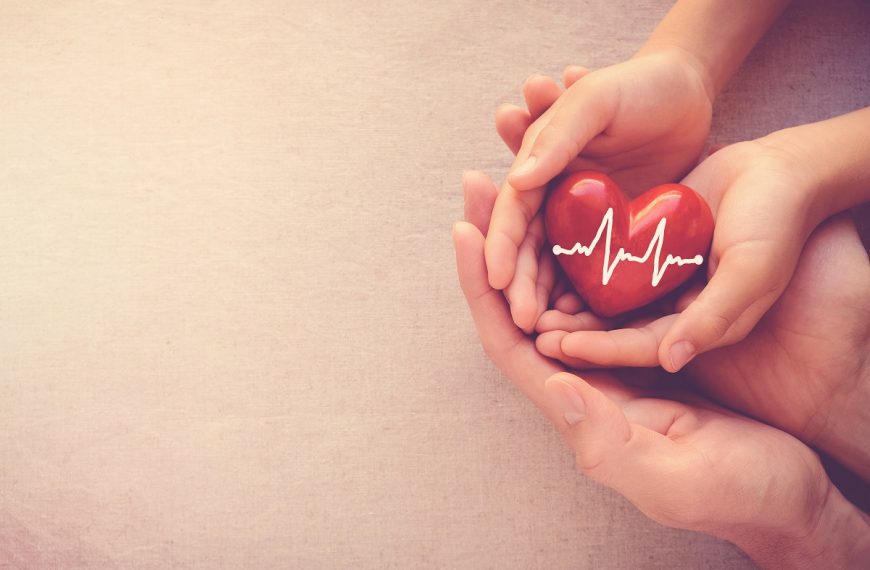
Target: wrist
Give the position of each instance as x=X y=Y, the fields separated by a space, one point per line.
x=836 y=535
x=717 y=33
x=684 y=59
x=829 y=159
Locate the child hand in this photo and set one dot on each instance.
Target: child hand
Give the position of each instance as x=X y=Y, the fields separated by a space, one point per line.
x=767 y=197
x=643 y=122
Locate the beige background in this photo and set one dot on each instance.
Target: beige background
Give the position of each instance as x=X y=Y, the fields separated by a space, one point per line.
x=230 y=330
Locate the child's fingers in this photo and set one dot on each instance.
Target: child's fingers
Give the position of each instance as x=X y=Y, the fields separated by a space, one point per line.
x=511 y=123
x=572 y=74
x=560 y=289
x=511 y=216
x=688 y=297
x=549 y=344
x=621 y=347
x=521 y=293
x=746 y=283
x=479 y=197
x=559 y=320
x=540 y=92
x=558 y=136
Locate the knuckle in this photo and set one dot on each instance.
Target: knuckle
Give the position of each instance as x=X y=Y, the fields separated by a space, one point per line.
x=719 y=325
x=555 y=137
x=715 y=325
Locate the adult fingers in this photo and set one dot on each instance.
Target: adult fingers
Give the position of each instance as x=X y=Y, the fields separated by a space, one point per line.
x=511 y=351
x=511 y=216
x=631 y=458
x=479 y=197
x=522 y=293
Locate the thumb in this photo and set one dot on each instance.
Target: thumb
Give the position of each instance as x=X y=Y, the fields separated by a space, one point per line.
x=593 y=424
x=608 y=448
x=746 y=283
x=558 y=136
x=636 y=460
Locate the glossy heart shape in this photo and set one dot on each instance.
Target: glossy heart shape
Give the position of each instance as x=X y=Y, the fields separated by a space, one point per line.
x=621 y=254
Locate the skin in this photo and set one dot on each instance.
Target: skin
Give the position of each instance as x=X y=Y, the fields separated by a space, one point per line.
x=814 y=337
x=801 y=368
x=643 y=122
x=680 y=459
x=631 y=149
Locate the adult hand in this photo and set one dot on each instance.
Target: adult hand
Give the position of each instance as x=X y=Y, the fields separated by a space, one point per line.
x=683 y=461
x=815 y=335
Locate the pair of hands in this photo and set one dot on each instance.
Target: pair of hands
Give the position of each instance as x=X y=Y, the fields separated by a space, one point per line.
x=645 y=122
x=814 y=335
x=681 y=459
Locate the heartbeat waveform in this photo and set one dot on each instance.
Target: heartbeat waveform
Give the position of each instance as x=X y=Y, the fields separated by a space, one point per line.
x=655 y=244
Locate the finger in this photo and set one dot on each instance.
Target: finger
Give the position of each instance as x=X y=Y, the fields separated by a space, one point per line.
x=560 y=320
x=688 y=297
x=522 y=291
x=629 y=457
x=569 y=302
x=480 y=194
x=572 y=74
x=511 y=123
x=558 y=136
x=745 y=285
x=550 y=345
x=511 y=216
x=546 y=281
x=621 y=347
x=511 y=351
x=540 y=92
x=560 y=288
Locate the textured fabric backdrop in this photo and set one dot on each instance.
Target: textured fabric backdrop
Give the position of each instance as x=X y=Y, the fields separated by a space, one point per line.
x=230 y=330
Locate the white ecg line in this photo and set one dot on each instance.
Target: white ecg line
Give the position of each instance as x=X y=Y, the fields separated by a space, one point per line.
x=654 y=244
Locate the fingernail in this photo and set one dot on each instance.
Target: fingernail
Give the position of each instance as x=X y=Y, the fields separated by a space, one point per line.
x=572 y=404
x=526 y=166
x=681 y=353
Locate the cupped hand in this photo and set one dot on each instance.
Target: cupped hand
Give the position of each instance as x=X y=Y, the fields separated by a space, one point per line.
x=643 y=122
x=681 y=460
x=801 y=362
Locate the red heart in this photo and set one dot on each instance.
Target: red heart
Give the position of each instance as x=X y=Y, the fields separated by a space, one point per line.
x=666 y=230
